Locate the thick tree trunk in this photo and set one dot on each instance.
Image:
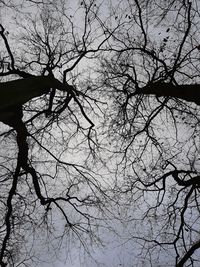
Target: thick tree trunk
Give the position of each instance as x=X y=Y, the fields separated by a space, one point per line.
x=20 y=91
x=189 y=92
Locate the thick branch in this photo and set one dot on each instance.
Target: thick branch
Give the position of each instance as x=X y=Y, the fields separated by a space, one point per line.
x=9 y=214
x=22 y=158
x=187 y=92
x=188 y=254
x=193 y=181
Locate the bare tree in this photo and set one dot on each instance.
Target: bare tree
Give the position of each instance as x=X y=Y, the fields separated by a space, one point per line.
x=48 y=149
x=151 y=77
x=131 y=115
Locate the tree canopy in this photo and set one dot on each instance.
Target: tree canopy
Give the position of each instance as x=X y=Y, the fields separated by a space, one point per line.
x=116 y=144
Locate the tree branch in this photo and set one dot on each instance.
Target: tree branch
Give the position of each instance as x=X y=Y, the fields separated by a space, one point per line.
x=188 y=254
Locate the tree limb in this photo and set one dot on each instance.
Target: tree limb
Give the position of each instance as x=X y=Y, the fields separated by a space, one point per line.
x=188 y=254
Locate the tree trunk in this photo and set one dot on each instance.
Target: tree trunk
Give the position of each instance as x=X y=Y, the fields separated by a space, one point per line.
x=187 y=92
x=20 y=91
